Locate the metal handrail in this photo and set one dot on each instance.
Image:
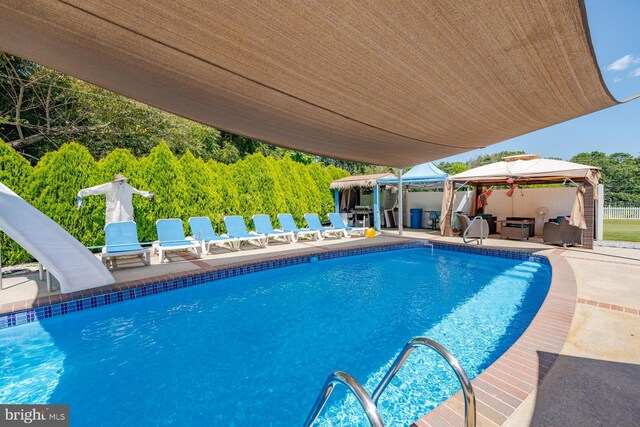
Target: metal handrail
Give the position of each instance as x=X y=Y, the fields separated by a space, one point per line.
x=352 y=384
x=467 y=389
x=464 y=235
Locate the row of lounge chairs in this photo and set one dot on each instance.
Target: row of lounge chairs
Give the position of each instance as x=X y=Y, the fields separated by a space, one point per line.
x=122 y=237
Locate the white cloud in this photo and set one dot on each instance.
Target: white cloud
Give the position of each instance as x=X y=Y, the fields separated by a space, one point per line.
x=618 y=80
x=635 y=73
x=622 y=63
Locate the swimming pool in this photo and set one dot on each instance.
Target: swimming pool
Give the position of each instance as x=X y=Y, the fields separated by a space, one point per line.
x=257 y=348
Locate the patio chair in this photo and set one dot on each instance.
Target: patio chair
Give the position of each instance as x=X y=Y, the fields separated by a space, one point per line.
x=337 y=223
x=202 y=231
x=473 y=230
x=263 y=225
x=287 y=223
x=171 y=238
x=314 y=224
x=121 y=240
x=561 y=233
x=238 y=229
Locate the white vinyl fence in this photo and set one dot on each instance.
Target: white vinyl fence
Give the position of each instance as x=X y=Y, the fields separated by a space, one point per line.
x=622 y=212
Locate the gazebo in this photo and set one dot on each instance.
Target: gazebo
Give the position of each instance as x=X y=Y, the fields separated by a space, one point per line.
x=423 y=175
x=528 y=170
x=361 y=181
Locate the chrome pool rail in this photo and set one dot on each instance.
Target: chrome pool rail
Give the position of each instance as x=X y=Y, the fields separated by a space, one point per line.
x=467 y=389
x=355 y=387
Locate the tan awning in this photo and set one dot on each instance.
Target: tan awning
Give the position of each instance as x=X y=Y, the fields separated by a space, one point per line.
x=359 y=181
x=393 y=83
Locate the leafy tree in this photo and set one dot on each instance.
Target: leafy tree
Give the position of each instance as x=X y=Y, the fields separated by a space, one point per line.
x=202 y=197
x=322 y=179
x=225 y=186
x=55 y=183
x=453 y=168
x=258 y=187
x=15 y=173
x=162 y=176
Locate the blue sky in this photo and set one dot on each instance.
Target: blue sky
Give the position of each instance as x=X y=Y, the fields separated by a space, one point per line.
x=615 y=32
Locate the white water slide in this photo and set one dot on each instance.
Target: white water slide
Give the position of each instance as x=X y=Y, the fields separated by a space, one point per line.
x=75 y=267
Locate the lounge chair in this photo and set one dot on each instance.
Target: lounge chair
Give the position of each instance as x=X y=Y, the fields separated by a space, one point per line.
x=171 y=238
x=121 y=240
x=238 y=229
x=473 y=230
x=314 y=224
x=202 y=231
x=337 y=223
x=263 y=226
x=287 y=223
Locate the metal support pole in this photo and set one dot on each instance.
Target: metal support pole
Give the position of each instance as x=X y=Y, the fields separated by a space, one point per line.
x=376 y=207
x=0 y=267
x=400 y=204
x=40 y=271
x=336 y=198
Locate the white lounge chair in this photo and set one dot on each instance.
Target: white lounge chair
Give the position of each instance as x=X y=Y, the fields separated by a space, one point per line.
x=202 y=231
x=287 y=223
x=238 y=229
x=121 y=240
x=171 y=238
x=263 y=225
x=314 y=224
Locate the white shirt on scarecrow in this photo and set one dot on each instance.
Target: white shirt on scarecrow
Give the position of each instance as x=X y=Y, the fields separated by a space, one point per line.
x=119 y=198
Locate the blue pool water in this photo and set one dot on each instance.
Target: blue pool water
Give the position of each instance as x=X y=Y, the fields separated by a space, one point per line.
x=256 y=349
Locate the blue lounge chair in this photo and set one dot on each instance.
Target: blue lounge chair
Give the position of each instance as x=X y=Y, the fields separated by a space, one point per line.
x=171 y=238
x=238 y=229
x=202 y=231
x=287 y=223
x=337 y=223
x=314 y=224
x=121 y=240
x=263 y=226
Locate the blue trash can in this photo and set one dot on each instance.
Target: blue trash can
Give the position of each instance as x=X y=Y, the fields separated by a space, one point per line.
x=416 y=218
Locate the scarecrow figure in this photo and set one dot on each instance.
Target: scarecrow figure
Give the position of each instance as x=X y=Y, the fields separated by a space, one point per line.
x=119 y=196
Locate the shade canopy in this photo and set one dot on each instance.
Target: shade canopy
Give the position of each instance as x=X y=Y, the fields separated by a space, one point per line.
x=422 y=175
x=392 y=83
x=359 y=181
x=527 y=169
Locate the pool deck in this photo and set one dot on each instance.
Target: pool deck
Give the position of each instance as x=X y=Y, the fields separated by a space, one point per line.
x=578 y=363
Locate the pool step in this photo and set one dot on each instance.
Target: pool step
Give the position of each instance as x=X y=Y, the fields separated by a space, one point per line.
x=370 y=404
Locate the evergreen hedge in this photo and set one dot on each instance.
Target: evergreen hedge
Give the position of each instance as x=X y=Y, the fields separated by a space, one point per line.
x=183 y=187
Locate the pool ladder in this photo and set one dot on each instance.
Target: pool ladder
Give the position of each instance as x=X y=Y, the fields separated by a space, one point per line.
x=370 y=404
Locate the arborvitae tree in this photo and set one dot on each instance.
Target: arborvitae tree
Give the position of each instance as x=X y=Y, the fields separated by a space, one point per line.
x=161 y=175
x=225 y=186
x=202 y=197
x=311 y=191
x=294 y=186
x=15 y=172
x=54 y=186
x=259 y=191
x=322 y=179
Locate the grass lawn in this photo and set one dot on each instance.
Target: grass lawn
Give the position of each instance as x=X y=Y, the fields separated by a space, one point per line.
x=625 y=230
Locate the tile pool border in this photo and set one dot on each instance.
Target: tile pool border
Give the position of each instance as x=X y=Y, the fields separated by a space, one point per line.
x=515 y=375
x=62 y=304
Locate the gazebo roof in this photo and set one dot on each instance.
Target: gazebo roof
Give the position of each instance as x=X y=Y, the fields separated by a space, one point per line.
x=392 y=83
x=526 y=168
x=359 y=181
x=424 y=174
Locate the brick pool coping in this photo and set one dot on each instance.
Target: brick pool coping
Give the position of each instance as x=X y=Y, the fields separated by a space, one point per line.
x=503 y=386
x=500 y=389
